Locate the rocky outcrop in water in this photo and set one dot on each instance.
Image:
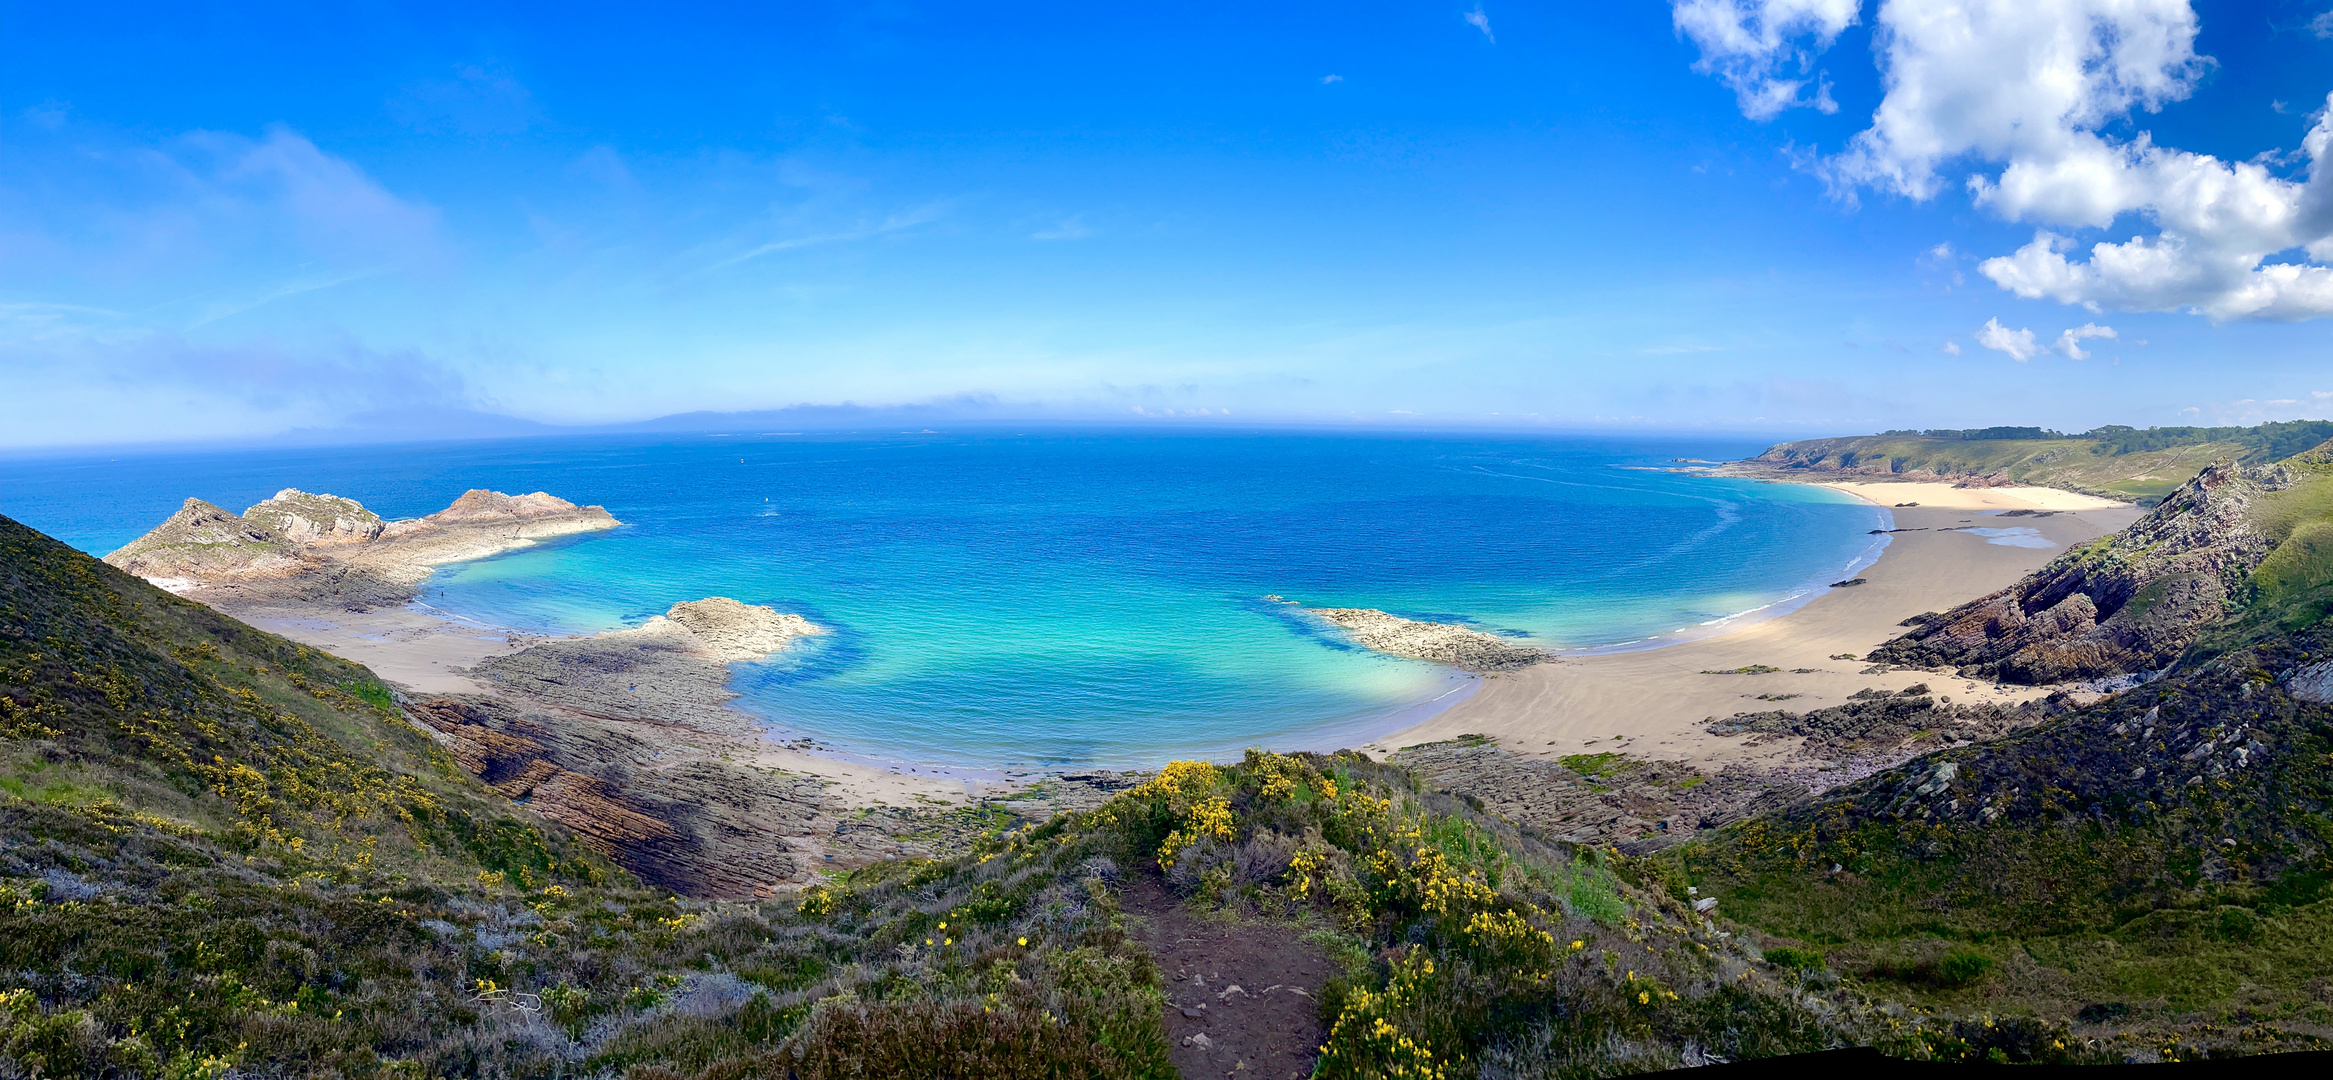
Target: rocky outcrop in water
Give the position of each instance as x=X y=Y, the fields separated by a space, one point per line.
x=2127 y=603
x=479 y=524
x=674 y=666
x=1440 y=643
x=302 y=548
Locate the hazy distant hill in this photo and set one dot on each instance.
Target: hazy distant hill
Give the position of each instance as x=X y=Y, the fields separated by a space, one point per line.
x=2142 y=465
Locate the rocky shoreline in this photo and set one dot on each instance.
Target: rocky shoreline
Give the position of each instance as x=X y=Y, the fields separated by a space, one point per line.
x=625 y=738
x=1440 y=643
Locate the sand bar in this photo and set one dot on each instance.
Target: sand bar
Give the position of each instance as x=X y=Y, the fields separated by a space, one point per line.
x=1940 y=495
x=1653 y=703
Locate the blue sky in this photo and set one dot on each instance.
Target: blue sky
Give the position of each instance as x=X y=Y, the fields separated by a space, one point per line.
x=1751 y=215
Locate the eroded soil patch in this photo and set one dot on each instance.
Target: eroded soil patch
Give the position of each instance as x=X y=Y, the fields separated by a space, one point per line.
x=1243 y=999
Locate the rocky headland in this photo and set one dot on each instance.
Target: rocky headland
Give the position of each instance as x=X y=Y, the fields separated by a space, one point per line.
x=2124 y=604
x=1440 y=643
x=303 y=548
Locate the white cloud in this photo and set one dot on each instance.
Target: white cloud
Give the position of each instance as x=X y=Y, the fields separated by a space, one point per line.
x=2033 y=88
x=1481 y=22
x=1326 y=80
x=1753 y=46
x=1952 y=348
x=2070 y=342
x=2322 y=25
x=2019 y=344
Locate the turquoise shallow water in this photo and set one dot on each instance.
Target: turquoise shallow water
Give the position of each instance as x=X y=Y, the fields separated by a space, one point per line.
x=1003 y=599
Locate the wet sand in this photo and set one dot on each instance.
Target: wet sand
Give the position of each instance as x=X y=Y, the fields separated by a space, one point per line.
x=1656 y=703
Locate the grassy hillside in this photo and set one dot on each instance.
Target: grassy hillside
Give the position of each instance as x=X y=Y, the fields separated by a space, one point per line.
x=2156 y=868
x=221 y=851
x=2153 y=868
x=2291 y=589
x=2115 y=462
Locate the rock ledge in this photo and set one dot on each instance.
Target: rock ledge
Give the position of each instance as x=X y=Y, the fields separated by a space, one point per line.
x=1440 y=643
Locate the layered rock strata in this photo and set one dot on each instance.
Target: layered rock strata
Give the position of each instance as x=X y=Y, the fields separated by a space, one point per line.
x=697 y=825
x=2126 y=603
x=1440 y=643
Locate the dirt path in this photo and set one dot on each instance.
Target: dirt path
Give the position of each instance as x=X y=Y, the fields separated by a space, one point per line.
x=1243 y=999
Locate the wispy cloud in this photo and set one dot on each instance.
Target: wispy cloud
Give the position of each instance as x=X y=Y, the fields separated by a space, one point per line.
x=480 y=99
x=1327 y=80
x=158 y=385
x=1481 y=22
x=896 y=223
x=213 y=312
x=1072 y=227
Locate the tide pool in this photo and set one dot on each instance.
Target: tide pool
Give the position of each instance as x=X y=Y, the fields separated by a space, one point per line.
x=1048 y=598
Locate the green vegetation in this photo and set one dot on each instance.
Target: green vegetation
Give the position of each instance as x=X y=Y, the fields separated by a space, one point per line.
x=2266 y=442
x=2292 y=588
x=2161 y=853
x=1594 y=765
x=2141 y=465
x=221 y=851
x=1794 y=959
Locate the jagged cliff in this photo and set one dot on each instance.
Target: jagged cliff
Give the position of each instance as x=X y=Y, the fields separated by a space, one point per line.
x=2126 y=603
x=302 y=547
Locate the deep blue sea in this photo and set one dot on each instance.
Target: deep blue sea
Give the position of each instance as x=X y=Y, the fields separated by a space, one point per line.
x=1002 y=599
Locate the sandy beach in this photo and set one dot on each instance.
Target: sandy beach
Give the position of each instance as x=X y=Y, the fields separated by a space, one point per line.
x=1656 y=703
x=614 y=735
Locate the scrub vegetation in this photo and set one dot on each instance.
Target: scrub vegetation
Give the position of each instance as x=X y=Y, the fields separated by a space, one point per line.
x=222 y=852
